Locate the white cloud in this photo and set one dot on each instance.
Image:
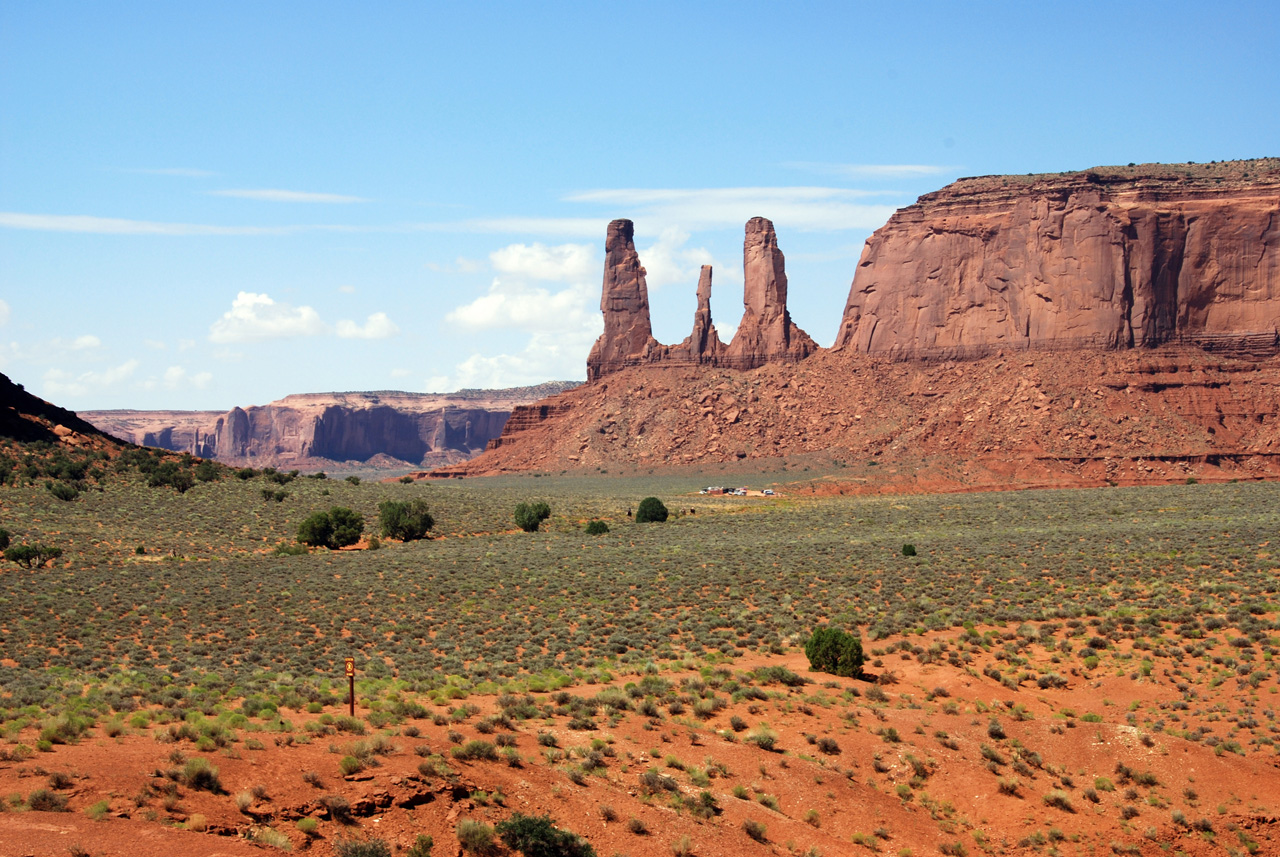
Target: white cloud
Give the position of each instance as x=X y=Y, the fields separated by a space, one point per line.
x=859 y=171
x=377 y=326
x=257 y=317
x=438 y=384
x=4 y=313
x=514 y=305
x=669 y=262
x=80 y=343
x=176 y=377
x=276 y=195
x=547 y=357
x=564 y=263
x=401 y=373
x=58 y=382
x=809 y=208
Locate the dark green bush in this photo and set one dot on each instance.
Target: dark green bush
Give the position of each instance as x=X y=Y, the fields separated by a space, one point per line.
x=651 y=509
x=536 y=836
x=908 y=550
x=362 y=848
x=831 y=650
x=316 y=530
x=5 y=538
x=335 y=528
x=597 y=528
x=529 y=516
x=44 y=800
x=407 y=520
x=64 y=491
x=32 y=556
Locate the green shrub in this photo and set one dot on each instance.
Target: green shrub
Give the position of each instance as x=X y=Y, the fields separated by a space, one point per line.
x=421 y=846
x=32 y=556
x=473 y=750
x=651 y=510
x=833 y=651
x=64 y=491
x=475 y=837
x=597 y=528
x=335 y=528
x=908 y=550
x=754 y=829
x=5 y=538
x=201 y=776
x=361 y=848
x=44 y=800
x=529 y=516
x=536 y=836
x=406 y=520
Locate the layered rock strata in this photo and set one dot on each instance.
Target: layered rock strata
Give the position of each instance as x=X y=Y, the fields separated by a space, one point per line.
x=766 y=333
x=318 y=430
x=1112 y=257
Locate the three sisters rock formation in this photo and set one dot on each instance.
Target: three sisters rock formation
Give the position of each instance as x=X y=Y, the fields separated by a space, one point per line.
x=1111 y=257
x=766 y=333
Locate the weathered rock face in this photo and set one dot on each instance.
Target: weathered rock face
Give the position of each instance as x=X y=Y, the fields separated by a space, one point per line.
x=766 y=333
x=317 y=430
x=628 y=336
x=1110 y=257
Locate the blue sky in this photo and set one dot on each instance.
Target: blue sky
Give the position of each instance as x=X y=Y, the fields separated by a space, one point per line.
x=206 y=205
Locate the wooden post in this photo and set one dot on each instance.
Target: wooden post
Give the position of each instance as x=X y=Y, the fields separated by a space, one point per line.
x=351 y=682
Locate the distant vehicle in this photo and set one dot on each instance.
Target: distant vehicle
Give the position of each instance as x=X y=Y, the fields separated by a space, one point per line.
x=768 y=492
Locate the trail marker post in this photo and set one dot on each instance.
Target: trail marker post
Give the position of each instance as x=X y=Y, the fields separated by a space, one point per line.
x=350 y=664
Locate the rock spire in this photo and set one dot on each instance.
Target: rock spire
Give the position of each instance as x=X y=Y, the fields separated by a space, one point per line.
x=628 y=336
x=766 y=333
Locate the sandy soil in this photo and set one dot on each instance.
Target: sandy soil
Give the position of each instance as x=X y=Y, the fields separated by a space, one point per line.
x=918 y=772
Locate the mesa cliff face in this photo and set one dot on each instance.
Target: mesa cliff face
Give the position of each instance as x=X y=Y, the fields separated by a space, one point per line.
x=318 y=430
x=1112 y=257
x=1157 y=288
x=766 y=333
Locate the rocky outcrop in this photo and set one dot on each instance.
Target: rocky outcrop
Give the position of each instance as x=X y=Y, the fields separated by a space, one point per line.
x=1111 y=257
x=628 y=336
x=319 y=430
x=26 y=418
x=766 y=333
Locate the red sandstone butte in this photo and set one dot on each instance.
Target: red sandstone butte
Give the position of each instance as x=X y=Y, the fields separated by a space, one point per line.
x=1110 y=257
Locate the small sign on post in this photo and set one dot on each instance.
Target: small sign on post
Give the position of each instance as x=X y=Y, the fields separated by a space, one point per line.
x=350 y=664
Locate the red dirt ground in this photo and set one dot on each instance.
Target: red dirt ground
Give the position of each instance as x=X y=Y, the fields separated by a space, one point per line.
x=861 y=797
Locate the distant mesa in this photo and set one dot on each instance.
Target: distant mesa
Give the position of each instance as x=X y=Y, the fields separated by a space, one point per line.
x=766 y=333
x=387 y=429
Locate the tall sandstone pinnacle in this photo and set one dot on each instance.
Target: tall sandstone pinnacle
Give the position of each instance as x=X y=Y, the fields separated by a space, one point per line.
x=628 y=336
x=703 y=345
x=766 y=333
x=1111 y=257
